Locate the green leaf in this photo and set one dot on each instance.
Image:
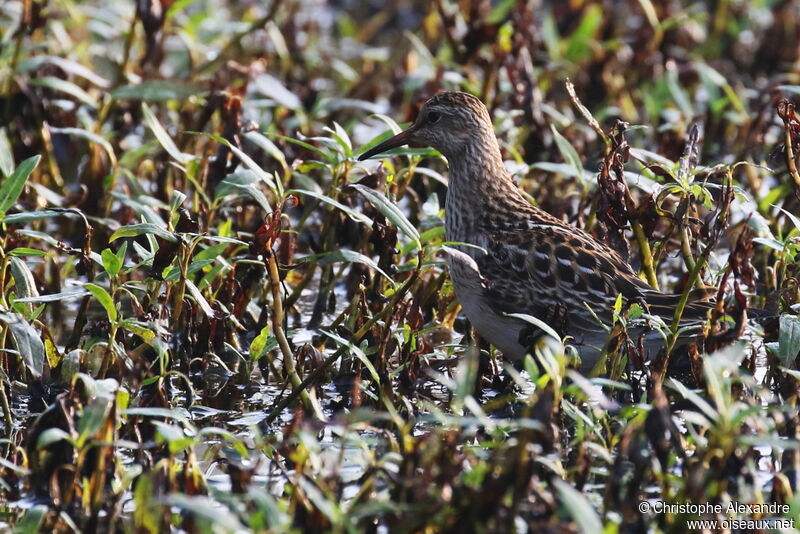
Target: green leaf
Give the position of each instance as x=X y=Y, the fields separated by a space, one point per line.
x=578 y=508
x=234 y=182
x=143 y=330
x=618 y=304
x=561 y=168
x=538 y=323
x=771 y=243
x=267 y=507
x=568 y=152
x=173 y=435
x=177 y=200
x=111 y=263
x=67 y=65
x=579 y=45
x=64 y=86
x=28 y=342
x=24 y=283
x=267 y=146
x=305 y=145
x=22 y=252
x=54 y=358
x=258 y=347
x=207 y=511
x=788 y=339
x=214 y=252
x=6 y=154
x=325 y=505
x=679 y=95
x=344 y=255
x=341 y=137
x=178 y=7
x=104 y=298
x=156 y=91
x=28 y=216
x=14 y=467
x=55 y=297
x=121 y=253
x=709 y=411
x=500 y=11
x=91 y=137
x=92 y=418
x=248 y=162
x=389 y=210
x=134 y=230
x=163 y=137
x=12 y=186
x=424 y=238
x=792 y=217
x=353 y=214
x=253 y=190
x=199 y=298
x=275 y=90
x=50 y=436
x=31 y=522
x=357 y=352
x=179 y=414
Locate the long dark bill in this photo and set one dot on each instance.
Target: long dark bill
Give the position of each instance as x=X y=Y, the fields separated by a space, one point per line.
x=393 y=142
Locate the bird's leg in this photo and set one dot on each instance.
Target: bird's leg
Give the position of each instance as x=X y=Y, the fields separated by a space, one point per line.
x=559 y=319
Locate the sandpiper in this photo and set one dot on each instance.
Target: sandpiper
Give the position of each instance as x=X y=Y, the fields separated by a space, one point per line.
x=522 y=259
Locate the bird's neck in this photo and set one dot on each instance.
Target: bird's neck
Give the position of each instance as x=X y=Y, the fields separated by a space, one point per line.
x=478 y=170
x=479 y=184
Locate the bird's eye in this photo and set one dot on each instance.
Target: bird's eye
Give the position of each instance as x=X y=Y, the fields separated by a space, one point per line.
x=433 y=117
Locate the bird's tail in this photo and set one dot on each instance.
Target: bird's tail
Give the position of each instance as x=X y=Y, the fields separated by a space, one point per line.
x=699 y=302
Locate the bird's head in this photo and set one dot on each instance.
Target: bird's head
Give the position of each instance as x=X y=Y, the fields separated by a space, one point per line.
x=448 y=122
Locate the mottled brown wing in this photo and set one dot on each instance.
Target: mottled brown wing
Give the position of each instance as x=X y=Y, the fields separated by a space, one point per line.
x=548 y=267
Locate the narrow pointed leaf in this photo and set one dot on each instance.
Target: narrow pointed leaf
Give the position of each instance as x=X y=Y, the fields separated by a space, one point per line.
x=389 y=210
x=578 y=507
x=344 y=255
x=163 y=137
x=6 y=154
x=568 y=152
x=353 y=214
x=28 y=342
x=67 y=87
x=357 y=352
x=199 y=298
x=91 y=137
x=134 y=230
x=13 y=185
x=104 y=298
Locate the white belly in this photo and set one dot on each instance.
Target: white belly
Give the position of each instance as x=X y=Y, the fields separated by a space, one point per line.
x=501 y=331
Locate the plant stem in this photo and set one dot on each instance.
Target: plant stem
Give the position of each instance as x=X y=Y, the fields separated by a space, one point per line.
x=647 y=254
x=181 y=292
x=790 y=162
x=694 y=275
x=280 y=335
x=6 y=408
x=318 y=372
x=686 y=249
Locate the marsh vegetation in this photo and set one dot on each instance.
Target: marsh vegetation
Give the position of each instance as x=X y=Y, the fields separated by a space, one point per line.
x=213 y=318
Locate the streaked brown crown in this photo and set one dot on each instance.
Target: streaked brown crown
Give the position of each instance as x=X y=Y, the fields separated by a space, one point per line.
x=458 y=99
x=450 y=122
